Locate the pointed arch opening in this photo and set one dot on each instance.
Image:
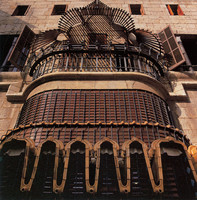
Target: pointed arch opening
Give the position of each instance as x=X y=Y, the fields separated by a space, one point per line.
x=107 y=184
x=140 y=180
x=76 y=182
x=12 y=157
x=43 y=184
x=179 y=181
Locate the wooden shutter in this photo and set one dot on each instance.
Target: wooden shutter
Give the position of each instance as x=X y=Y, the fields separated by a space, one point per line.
x=142 y=10
x=171 y=47
x=20 y=52
x=170 y=10
x=45 y=38
x=179 y=11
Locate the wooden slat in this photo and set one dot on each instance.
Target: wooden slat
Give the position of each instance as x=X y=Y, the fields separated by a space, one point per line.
x=95 y=106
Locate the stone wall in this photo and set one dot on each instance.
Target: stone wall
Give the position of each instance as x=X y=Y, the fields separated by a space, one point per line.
x=8 y=113
x=187 y=115
x=155 y=19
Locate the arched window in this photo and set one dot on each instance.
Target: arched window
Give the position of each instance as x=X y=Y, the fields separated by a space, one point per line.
x=108 y=184
x=179 y=181
x=43 y=184
x=140 y=180
x=75 y=183
x=11 y=166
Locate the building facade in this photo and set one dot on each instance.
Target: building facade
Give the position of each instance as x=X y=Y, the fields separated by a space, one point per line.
x=98 y=99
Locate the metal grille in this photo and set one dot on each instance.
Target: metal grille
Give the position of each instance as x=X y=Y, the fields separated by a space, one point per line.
x=95 y=106
x=95 y=17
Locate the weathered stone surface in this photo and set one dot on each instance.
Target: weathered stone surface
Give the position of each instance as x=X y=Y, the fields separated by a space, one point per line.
x=156 y=15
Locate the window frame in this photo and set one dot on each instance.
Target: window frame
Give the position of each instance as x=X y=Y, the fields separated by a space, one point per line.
x=21 y=50
x=56 y=5
x=141 y=9
x=25 y=13
x=179 y=10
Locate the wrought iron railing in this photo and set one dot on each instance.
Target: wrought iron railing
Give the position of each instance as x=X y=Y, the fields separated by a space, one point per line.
x=77 y=58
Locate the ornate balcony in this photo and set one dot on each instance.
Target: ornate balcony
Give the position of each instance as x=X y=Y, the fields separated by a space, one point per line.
x=96 y=58
x=97 y=38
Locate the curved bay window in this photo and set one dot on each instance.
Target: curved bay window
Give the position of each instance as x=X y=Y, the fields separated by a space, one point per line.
x=94 y=143
x=94 y=114
x=95 y=106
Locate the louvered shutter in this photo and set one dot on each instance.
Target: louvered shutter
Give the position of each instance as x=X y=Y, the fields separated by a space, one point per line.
x=179 y=11
x=45 y=38
x=20 y=52
x=170 y=10
x=171 y=47
x=142 y=10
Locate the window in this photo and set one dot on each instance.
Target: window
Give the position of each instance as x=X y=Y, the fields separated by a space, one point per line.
x=190 y=45
x=59 y=9
x=21 y=10
x=136 y=9
x=174 y=9
x=7 y=43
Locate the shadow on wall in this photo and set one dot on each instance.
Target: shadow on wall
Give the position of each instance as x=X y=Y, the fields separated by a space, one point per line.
x=12 y=25
x=183 y=111
x=177 y=113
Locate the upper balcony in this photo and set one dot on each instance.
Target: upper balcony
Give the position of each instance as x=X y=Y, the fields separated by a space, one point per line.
x=95 y=38
x=67 y=57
